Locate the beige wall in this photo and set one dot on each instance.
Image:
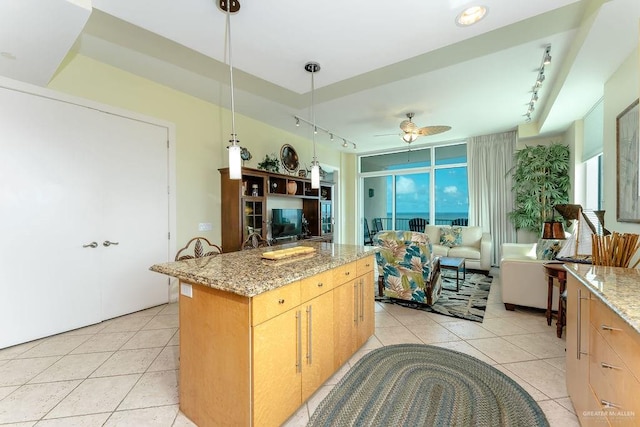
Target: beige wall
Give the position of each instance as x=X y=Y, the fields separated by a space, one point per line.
x=202 y=134
x=619 y=92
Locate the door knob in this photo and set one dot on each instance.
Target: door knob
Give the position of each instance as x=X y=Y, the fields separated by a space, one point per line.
x=91 y=245
x=108 y=243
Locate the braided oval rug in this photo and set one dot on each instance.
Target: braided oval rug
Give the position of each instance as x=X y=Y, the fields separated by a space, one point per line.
x=423 y=385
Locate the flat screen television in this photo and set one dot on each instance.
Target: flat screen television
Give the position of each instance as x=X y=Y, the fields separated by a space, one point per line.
x=286 y=222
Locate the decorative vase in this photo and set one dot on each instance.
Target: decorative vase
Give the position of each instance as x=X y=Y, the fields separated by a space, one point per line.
x=292 y=187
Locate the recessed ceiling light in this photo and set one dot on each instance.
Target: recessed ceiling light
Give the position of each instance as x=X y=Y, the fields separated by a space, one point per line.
x=471 y=15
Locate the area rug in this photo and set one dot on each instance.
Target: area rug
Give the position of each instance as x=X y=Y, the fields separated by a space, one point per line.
x=468 y=303
x=423 y=385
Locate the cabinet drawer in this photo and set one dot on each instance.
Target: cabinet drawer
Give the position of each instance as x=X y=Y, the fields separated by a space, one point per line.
x=618 y=334
x=270 y=304
x=365 y=265
x=344 y=273
x=316 y=285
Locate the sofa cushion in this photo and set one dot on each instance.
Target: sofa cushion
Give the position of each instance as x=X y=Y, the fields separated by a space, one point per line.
x=439 y=250
x=466 y=252
x=471 y=236
x=451 y=236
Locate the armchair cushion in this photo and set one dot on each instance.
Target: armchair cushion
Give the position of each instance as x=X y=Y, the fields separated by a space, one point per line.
x=405 y=262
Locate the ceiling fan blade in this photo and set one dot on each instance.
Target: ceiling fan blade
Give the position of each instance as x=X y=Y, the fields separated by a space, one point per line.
x=408 y=126
x=387 y=134
x=432 y=130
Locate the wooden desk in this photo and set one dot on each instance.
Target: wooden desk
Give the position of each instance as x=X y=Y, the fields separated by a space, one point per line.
x=557 y=271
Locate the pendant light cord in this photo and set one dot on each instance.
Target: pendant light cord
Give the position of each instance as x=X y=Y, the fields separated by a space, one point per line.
x=313 y=114
x=234 y=140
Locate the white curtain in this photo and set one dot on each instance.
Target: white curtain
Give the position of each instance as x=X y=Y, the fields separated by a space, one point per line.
x=489 y=159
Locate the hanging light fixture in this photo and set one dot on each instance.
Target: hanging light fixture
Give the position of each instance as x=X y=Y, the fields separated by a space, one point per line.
x=313 y=67
x=235 y=161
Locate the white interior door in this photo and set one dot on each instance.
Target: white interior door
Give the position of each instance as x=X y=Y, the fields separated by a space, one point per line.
x=135 y=215
x=70 y=176
x=48 y=211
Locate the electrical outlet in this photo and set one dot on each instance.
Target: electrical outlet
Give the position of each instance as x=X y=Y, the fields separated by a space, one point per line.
x=204 y=226
x=186 y=290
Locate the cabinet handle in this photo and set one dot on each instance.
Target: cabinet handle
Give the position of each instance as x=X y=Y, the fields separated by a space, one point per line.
x=299 y=332
x=607 y=404
x=347 y=273
x=609 y=366
x=355 y=303
x=362 y=300
x=609 y=328
x=579 y=324
x=309 y=335
x=281 y=301
x=320 y=284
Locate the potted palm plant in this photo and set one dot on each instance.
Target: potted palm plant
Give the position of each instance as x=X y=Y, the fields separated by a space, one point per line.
x=540 y=181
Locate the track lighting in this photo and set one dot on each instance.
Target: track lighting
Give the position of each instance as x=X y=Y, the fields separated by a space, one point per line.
x=540 y=78
x=344 y=143
x=332 y=135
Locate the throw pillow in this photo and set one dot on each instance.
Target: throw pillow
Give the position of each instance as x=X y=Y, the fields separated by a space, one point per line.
x=451 y=236
x=547 y=249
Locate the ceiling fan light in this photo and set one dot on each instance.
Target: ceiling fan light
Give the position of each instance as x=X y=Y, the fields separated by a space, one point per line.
x=471 y=15
x=409 y=137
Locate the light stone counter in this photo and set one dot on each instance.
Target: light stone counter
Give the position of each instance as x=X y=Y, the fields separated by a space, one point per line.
x=618 y=288
x=246 y=273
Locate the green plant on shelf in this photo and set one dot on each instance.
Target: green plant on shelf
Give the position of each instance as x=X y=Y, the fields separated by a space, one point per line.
x=270 y=163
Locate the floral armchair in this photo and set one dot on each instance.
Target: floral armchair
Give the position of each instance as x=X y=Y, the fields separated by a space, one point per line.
x=407 y=268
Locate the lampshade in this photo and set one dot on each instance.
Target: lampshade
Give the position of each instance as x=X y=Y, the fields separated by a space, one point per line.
x=409 y=137
x=315 y=176
x=235 y=162
x=552 y=230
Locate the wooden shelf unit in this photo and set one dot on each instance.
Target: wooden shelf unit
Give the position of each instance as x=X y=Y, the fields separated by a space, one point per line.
x=241 y=211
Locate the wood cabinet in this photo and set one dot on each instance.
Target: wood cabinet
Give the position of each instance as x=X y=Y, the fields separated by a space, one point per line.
x=253 y=361
x=244 y=204
x=603 y=371
x=577 y=373
x=353 y=311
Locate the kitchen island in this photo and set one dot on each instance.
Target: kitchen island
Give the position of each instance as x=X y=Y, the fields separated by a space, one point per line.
x=259 y=336
x=603 y=344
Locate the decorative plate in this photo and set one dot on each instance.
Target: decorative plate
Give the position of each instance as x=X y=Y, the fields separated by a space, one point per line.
x=289 y=158
x=245 y=154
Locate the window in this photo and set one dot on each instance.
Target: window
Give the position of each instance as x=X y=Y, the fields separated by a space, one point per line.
x=429 y=183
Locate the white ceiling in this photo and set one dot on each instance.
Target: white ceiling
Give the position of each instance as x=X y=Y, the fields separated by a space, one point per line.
x=379 y=59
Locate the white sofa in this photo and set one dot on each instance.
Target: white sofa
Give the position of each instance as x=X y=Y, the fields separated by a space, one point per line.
x=522 y=277
x=475 y=248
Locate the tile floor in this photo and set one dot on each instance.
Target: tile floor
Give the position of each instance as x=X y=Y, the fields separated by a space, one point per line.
x=124 y=372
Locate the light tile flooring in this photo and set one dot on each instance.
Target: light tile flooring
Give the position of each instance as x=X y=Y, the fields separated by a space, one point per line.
x=124 y=372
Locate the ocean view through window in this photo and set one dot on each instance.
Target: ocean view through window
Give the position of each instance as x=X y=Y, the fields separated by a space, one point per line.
x=429 y=184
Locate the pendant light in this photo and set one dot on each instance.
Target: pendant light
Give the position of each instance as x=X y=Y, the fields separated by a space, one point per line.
x=313 y=67
x=235 y=161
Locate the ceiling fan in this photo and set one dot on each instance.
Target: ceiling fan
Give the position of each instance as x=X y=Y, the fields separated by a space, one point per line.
x=411 y=132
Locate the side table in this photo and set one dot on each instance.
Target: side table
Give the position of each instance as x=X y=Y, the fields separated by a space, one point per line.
x=556 y=270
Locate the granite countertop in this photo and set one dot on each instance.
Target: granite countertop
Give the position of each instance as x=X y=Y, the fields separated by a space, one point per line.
x=246 y=273
x=617 y=287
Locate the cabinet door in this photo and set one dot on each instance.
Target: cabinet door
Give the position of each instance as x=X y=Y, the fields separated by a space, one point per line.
x=345 y=321
x=277 y=365
x=366 y=309
x=578 y=345
x=317 y=343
